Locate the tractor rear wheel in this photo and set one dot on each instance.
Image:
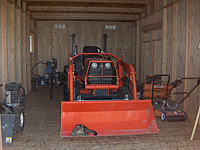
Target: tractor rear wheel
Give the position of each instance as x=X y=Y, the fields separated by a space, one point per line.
x=65 y=84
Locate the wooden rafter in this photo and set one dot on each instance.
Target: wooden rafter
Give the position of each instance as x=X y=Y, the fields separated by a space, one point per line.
x=84 y=9
x=95 y=1
x=84 y=16
x=90 y=10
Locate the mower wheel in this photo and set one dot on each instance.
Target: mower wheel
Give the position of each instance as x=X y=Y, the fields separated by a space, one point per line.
x=163 y=116
x=184 y=114
x=19 y=121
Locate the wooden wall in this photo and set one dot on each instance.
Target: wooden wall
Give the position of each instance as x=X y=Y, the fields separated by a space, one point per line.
x=151 y=41
x=193 y=53
x=172 y=48
x=14 y=50
x=57 y=42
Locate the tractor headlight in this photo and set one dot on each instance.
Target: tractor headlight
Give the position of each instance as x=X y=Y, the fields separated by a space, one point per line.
x=108 y=65
x=94 y=65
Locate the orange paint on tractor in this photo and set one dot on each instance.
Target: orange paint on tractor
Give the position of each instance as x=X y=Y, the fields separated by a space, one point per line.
x=107 y=115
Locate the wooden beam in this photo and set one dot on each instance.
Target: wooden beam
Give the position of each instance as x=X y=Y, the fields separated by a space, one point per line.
x=18 y=4
x=24 y=7
x=95 y=1
x=164 y=41
x=85 y=16
x=138 y=47
x=11 y=1
x=188 y=54
x=174 y=67
x=84 y=9
x=28 y=51
x=152 y=26
x=18 y=45
x=3 y=46
x=171 y=4
x=12 y=43
x=24 y=52
x=36 y=45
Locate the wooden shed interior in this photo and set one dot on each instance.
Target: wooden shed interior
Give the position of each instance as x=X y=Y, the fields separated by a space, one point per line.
x=157 y=36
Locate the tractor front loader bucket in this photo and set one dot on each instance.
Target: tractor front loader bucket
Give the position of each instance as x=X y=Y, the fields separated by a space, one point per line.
x=109 y=118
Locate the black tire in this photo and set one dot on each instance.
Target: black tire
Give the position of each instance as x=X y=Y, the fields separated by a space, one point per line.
x=33 y=84
x=65 y=84
x=19 y=120
x=51 y=86
x=184 y=114
x=22 y=98
x=163 y=116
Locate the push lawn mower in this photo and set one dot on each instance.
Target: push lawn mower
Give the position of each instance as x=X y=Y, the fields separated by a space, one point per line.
x=160 y=93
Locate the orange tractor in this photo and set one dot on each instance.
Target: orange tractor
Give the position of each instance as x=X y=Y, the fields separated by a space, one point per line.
x=100 y=95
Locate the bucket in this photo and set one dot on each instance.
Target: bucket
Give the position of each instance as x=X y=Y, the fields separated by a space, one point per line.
x=109 y=118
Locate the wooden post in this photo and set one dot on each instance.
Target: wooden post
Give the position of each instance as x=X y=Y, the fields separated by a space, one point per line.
x=35 y=44
x=18 y=45
x=138 y=50
x=174 y=69
x=195 y=125
x=3 y=46
x=187 y=55
x=164 y=37
x=28 y=52
x=24 y=49
x=12 y=43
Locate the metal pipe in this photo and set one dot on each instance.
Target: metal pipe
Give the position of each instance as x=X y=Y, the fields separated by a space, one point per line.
x=105 y=42
x=73 y=45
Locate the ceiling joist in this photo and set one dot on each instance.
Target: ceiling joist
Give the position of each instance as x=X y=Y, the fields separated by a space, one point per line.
x=87 y=10
x=84 y=9
x=95 y=1
x=85 y=17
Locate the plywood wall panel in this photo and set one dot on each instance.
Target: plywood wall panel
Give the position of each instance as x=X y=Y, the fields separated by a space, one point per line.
x=28 y=60
x=194 y=69
x=54 y=42
x=3 y=43
x=24 y=52
x=11 y=58
x=169 y=43
x=18 y=48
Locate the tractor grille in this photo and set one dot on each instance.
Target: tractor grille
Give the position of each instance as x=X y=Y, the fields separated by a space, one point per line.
x=102 y=74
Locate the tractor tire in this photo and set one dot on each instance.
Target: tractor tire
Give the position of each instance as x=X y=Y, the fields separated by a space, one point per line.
x=34 y=84
x=65 y=84
x=19 y=120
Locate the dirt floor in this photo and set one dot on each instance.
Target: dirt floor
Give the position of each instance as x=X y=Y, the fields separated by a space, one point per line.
x=42 y=131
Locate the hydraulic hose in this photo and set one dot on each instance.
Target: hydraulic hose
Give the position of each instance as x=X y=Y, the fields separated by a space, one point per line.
x=35 y=66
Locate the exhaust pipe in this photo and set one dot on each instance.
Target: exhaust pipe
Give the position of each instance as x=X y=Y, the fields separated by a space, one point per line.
x=105 y=43
x=73 y=45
